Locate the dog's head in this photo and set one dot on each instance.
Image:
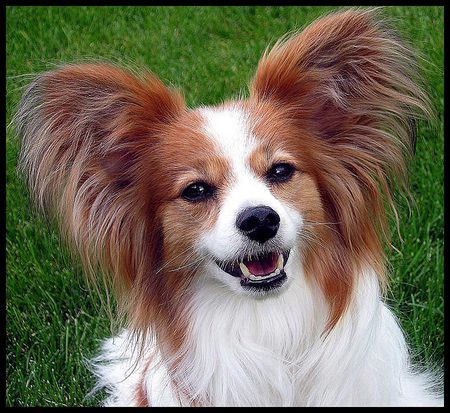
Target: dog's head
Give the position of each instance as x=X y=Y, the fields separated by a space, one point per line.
x=158 y=194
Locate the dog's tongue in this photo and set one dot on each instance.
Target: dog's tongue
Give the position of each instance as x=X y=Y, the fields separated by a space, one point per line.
x=264 y=265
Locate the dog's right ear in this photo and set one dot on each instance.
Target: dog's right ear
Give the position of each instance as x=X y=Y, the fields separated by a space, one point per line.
x=94 y=117
x=84 y=129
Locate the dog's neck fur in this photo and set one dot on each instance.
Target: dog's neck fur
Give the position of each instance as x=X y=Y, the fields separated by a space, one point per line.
x=246 y=351
x=273 y=351
x=243 y=351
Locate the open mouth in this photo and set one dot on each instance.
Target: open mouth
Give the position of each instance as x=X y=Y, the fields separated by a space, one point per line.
x=261 y=273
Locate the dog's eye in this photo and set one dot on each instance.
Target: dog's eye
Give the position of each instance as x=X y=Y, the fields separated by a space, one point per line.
x=280 y=172
x=197 y=191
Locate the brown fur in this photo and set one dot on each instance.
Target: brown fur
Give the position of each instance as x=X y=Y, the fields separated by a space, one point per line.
x=348 y=89
x=109 y=154
x=141 y=396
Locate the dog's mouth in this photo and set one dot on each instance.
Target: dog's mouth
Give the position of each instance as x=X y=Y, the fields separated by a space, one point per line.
x=261 y=273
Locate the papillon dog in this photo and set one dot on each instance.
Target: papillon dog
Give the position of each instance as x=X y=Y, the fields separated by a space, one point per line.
x=244 y=242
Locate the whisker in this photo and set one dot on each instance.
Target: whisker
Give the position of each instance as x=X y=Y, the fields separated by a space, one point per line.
x=320 y=222
x=188 y=264
x=325 y=224
x=174 y=258
x=311 y=237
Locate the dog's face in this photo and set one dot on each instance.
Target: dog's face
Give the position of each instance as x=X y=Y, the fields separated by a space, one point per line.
x=158 y=194
x=241 y=197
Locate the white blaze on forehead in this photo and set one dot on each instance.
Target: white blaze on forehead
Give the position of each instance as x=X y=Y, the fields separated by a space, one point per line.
x=229 y=129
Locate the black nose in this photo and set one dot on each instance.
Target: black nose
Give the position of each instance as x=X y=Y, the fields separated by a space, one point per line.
x=258 y=223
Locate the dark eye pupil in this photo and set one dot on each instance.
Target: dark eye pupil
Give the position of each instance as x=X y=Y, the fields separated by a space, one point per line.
x=197 y=191
x=280 y=172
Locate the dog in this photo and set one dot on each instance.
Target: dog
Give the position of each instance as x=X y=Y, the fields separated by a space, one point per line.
x=243 y=242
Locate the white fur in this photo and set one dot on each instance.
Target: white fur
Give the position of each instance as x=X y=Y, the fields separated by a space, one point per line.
x=244 y=350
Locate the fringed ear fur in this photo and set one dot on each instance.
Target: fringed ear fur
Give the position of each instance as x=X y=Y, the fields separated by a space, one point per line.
x=353 y=87
x=83 y=130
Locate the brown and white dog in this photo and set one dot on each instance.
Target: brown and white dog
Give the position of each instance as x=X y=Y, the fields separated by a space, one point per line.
x=244 y=242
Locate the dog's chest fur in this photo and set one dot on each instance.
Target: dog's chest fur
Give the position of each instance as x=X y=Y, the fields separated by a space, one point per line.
x=253 y=353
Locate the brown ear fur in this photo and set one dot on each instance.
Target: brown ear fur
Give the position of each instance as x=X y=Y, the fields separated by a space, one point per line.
x=353 y=87
x=84 y=129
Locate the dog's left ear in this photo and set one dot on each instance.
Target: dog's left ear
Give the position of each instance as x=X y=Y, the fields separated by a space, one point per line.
x=353 y=88
x=347 y=66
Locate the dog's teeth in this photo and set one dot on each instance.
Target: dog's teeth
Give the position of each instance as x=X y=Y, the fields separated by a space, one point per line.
x=244 y=270
x=280 y=262
x=247 y=274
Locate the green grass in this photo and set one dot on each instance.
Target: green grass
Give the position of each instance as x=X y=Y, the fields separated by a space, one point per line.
x=210 y=53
